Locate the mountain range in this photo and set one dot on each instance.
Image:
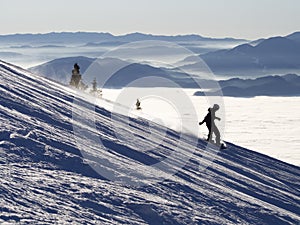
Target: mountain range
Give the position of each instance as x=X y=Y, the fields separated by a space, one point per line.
x=60 y=70
x=273 y=55
x=94 y=37
x=224 y=56
x=287 y=85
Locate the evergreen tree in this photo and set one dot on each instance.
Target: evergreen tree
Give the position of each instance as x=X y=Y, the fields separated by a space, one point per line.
x=76 y=76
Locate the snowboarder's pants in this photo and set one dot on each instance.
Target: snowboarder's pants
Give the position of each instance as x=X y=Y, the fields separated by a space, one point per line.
x=214 y=130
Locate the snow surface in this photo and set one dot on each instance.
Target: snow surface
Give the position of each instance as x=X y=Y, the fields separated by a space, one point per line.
x=46 y=180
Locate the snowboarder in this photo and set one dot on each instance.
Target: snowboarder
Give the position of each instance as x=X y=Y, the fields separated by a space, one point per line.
x=138 y=104
x=209 y=120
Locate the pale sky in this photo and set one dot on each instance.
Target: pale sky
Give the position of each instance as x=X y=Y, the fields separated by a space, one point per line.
x=250 y=19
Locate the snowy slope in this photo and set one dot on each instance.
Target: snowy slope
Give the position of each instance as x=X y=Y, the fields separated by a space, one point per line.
x=45 y=179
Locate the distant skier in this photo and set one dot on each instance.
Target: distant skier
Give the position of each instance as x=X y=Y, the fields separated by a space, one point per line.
x=209 y=120
x=138 y=104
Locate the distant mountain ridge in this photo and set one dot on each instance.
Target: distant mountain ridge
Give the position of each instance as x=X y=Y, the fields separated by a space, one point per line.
x=50 y=38
x=60 y=70
x=90 y=37
x=264 y=56
x=294 y=36
x=287 y=85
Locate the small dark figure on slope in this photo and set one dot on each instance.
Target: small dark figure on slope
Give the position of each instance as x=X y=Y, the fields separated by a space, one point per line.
x=138 y=104
x=209 y=120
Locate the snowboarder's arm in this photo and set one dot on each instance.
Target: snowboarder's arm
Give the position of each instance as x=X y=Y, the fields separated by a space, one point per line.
x=218 y=118
x=206 y=118
x=203 y=121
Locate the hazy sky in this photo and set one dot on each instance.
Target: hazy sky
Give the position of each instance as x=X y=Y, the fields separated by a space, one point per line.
x=216 y=18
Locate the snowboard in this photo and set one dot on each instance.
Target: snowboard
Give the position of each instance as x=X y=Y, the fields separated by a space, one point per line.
x=222 y=146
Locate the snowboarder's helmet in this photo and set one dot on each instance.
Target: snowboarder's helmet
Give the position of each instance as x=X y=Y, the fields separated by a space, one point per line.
x=216 y=106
